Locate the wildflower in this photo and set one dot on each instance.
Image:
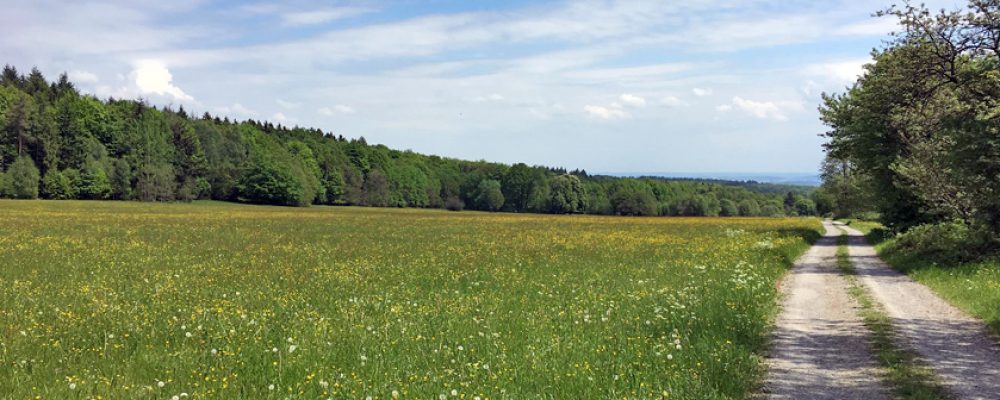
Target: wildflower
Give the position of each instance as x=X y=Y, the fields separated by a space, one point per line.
x=291 y=349
x=670 y=356
x=160 y=384
x=270 y=387
x=454 y=392
x=188 y=334
x=176 y=397
x=72 y=385
x=214 y=352
x=395 y=394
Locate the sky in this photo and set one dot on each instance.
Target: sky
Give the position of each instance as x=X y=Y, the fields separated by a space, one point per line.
x=606 y=86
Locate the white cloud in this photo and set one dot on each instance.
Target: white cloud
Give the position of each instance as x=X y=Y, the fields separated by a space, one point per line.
x=287 y=104
x=672 y=101
x=759 y=109
x=78 y=76
x=632 y=100
x=337 y=109
x=492 y=97
x=153 y=77
x=300 y=18
x=236 y=109
x=608 y=113
x=700 y=92
x=724 y=108
x=840 y=71
x=280 y=117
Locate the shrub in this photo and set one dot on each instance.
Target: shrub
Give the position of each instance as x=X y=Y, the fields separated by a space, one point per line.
x=945 y=242
x=454 y=204
x=23 y=178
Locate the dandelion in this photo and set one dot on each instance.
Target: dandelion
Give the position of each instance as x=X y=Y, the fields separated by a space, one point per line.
x=454 y=392
x=214 y=352
x=395 y=394
x=187 y=334
x=291 y=349
x=72 y=386
x=270 y=387
x=160 y=384
x=443 y=397
x=670 y=356
x=175 y=397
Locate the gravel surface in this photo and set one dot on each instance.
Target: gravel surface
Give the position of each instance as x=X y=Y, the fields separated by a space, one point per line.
x=956 y=346
x=820 y=348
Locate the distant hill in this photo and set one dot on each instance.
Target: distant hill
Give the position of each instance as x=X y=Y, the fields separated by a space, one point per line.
x=781 y=178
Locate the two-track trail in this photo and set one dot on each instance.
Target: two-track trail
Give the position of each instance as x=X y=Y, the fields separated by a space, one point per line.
x=820 y=348
x=956 y=346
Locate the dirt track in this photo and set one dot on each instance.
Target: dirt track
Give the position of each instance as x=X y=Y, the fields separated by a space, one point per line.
x=820 y=349
x=954 y=345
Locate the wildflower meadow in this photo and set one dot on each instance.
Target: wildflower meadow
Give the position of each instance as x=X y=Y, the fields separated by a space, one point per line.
x=120 y=300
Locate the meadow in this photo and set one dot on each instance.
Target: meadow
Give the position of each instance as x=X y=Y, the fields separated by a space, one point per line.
x=219 y=300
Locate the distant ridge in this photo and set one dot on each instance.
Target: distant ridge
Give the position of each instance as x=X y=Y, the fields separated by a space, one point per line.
x=781 y=178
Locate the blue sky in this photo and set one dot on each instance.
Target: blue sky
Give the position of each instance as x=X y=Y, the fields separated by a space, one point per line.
x=695 y=86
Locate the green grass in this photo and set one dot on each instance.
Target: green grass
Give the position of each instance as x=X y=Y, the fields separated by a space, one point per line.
x=908 y=379
x=216 y=300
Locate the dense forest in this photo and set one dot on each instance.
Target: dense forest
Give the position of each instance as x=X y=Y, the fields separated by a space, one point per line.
x=916 y=140
x=60 y=144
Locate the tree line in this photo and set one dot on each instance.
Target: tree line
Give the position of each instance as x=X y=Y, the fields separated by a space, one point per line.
x=916 y=140
x=57 y=143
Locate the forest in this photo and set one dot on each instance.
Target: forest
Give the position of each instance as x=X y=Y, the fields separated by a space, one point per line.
x=915 y=142
x=58 y=143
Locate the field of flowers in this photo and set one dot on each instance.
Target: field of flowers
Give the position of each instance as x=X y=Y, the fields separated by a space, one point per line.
x=215 y=300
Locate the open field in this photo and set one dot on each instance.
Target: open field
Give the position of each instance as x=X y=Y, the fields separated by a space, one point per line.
x=217 y=300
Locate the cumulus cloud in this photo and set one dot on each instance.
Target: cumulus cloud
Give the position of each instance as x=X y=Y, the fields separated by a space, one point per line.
x=491 y=97
x=607 y=113
x=337 y=109
x=280 y=117
x=672 y=101
x=760 y=109
x=700 y=92
x=153 y=77
x=82 y=76
x=235 y=109
x=632 y=100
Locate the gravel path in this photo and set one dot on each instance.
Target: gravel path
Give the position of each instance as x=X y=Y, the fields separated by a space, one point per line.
x=956 y=346
x=820 y=349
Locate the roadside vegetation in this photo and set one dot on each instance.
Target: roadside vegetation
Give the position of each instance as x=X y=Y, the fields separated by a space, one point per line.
x=223 y=300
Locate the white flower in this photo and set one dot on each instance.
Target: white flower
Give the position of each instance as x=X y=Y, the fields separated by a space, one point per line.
x=670 y=356
x=443 y=396
x=454 y=392
x=460 y=348
x=72 y=385
x=289 y=340
x=270 y=387
x=291 y=349
x=214 y=352
x=274 y=349
x=363 y=358
x=176 y=397
x=395 y=394
x=160 y=384
x=187 y=334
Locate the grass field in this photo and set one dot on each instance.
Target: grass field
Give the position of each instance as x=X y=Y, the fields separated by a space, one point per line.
x=216 y=300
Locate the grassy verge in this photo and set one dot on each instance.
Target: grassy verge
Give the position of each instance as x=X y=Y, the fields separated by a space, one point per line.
x=908 y=379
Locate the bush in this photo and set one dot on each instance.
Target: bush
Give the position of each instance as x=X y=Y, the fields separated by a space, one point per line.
x=23 y=178
x=57 y=186
x=454 y=204
x=944 y=242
